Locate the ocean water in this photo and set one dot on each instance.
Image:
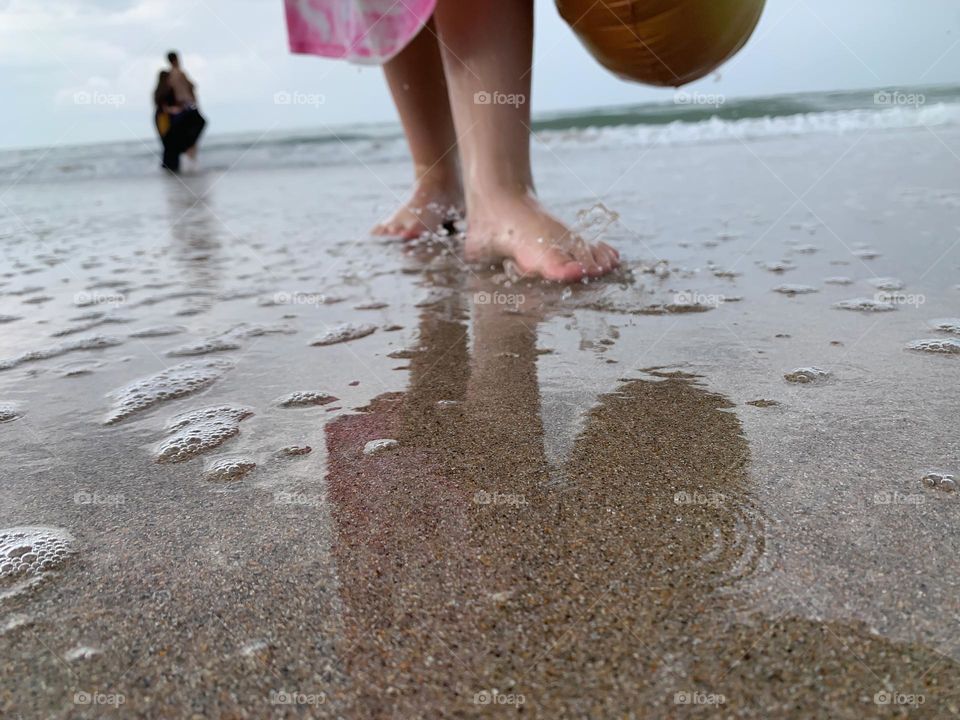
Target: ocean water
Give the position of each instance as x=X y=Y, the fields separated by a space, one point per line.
x=235 y=426
x=690 y=118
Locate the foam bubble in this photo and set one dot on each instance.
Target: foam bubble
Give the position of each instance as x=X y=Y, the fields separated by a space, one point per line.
x=344 y=332
x=376 y=446
x=9 y=411
x=4 y=319
x=26 y=553
x=158 y=331
x=177 y=295
x=294 y=450
x=838 y=280
x=950 y=325
x=887 y=283
x=91 y=323
x=866 y=254
x=371 y=306
x=204 y=347
x=863 y=304
x=807 y=375
x=25 y=290
x=81 y=652
x=949 y=346
x=94 y=342
x=305 y=399
x=778 y=266
x=794 y=289
x=260 y=329
x=175 y=382
x=227 y=469
x=200 y=430
x=940 y=481
x=432 y=297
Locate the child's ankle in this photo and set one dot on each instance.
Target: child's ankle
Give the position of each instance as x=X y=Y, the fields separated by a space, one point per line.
x=442 y=175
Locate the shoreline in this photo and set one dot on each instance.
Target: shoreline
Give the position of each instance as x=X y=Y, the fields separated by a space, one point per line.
x=580 y=415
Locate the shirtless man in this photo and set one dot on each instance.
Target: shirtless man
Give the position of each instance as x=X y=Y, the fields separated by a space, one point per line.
x=183 y=90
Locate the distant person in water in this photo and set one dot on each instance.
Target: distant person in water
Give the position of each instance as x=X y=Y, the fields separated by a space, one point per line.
x=178 y=120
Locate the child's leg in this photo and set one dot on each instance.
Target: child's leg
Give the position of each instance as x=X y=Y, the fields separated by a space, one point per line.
x=419 y=90
x=487 y=47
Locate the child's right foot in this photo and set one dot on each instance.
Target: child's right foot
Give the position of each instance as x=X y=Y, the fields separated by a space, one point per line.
x=516 y=227
x=436 y=201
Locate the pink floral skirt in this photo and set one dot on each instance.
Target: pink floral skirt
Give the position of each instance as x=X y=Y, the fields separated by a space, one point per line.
x=363 y=31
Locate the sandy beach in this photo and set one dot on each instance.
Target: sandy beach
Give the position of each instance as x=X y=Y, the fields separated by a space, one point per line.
x=714 y=484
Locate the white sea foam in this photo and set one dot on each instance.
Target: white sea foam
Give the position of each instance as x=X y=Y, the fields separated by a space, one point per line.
x=720 y=130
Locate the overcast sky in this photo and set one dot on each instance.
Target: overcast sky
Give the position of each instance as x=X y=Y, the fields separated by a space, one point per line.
x=236 y=50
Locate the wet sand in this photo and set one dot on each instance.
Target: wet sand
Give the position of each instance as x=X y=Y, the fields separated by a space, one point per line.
x=608 y=501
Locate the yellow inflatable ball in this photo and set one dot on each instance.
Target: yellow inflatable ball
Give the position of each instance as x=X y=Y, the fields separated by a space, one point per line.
x=662 y=42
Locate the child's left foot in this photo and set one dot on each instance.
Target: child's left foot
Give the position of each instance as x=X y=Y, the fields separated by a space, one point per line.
x=436 y=201
x=516 y=227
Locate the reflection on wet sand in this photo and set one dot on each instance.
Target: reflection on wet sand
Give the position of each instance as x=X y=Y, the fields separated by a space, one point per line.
x=195 y=231
x=468 y=580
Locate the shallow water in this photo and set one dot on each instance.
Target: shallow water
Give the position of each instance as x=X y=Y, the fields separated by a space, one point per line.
x=601 y=498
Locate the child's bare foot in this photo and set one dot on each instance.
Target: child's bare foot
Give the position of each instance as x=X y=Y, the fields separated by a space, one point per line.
x=436 y=201
x=517 y=227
